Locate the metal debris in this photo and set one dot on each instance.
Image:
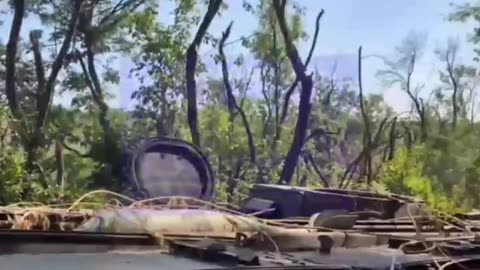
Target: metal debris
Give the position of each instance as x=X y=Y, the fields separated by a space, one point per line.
x=335 y=239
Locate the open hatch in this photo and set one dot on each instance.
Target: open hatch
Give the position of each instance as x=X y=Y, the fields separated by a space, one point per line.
x=162 y=166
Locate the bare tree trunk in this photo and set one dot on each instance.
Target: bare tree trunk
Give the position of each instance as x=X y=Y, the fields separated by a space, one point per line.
x=89 y=69
x=276 y=81
x=57 y=65
x=264 y=71
x=367 y=137
x=33 y=139
x=288 y=95
x=191 y=65
x=417 y=102
x=60 y=164
x=11 y=55
x=304 y=107
x=450 y=56
x=93 y=83
x=231 y=98
x=392 y=140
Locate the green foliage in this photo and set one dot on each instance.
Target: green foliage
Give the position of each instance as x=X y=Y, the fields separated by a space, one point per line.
x=465 y=12
x=442 y=167
x=11 y=176
x=14 y=178
x=406 y=174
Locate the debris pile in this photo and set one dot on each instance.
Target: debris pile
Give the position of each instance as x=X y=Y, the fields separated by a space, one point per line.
x=184 y=225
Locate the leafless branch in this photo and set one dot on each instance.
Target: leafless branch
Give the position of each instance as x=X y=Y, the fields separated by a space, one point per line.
x=246 y=87
x=310 y=160
x=450 y=56
x=289 y=92
x=304 y=106
x=47 y=96
x=192 y=114
x=392 y=76
x=11 y=55
x=375 y=143
x=39 y=69
x=264 y=70
x=231 y=98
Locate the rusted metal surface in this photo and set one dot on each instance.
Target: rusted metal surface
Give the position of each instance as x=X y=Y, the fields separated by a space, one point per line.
x=58 y=219
x=241 y=240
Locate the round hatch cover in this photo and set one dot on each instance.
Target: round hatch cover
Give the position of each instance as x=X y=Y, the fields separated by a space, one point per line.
x=163 y=166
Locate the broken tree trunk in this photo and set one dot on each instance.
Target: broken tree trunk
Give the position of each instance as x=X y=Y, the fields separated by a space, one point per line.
x=304 y=107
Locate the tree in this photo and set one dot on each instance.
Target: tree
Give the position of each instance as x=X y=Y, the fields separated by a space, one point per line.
x=191 y=63
x=400 y=72
x=45 y=85
x=231 y=101
x=307 y=85
x=465 y=12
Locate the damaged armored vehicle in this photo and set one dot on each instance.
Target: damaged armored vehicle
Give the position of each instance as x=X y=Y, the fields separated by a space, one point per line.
x=168 y=220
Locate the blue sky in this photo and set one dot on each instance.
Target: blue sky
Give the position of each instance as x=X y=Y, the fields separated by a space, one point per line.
x=377 y=25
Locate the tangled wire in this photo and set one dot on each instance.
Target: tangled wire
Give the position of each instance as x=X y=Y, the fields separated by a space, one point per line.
x=30 y=215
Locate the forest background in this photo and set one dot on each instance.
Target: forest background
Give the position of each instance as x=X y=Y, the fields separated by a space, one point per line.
x=364 y=96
